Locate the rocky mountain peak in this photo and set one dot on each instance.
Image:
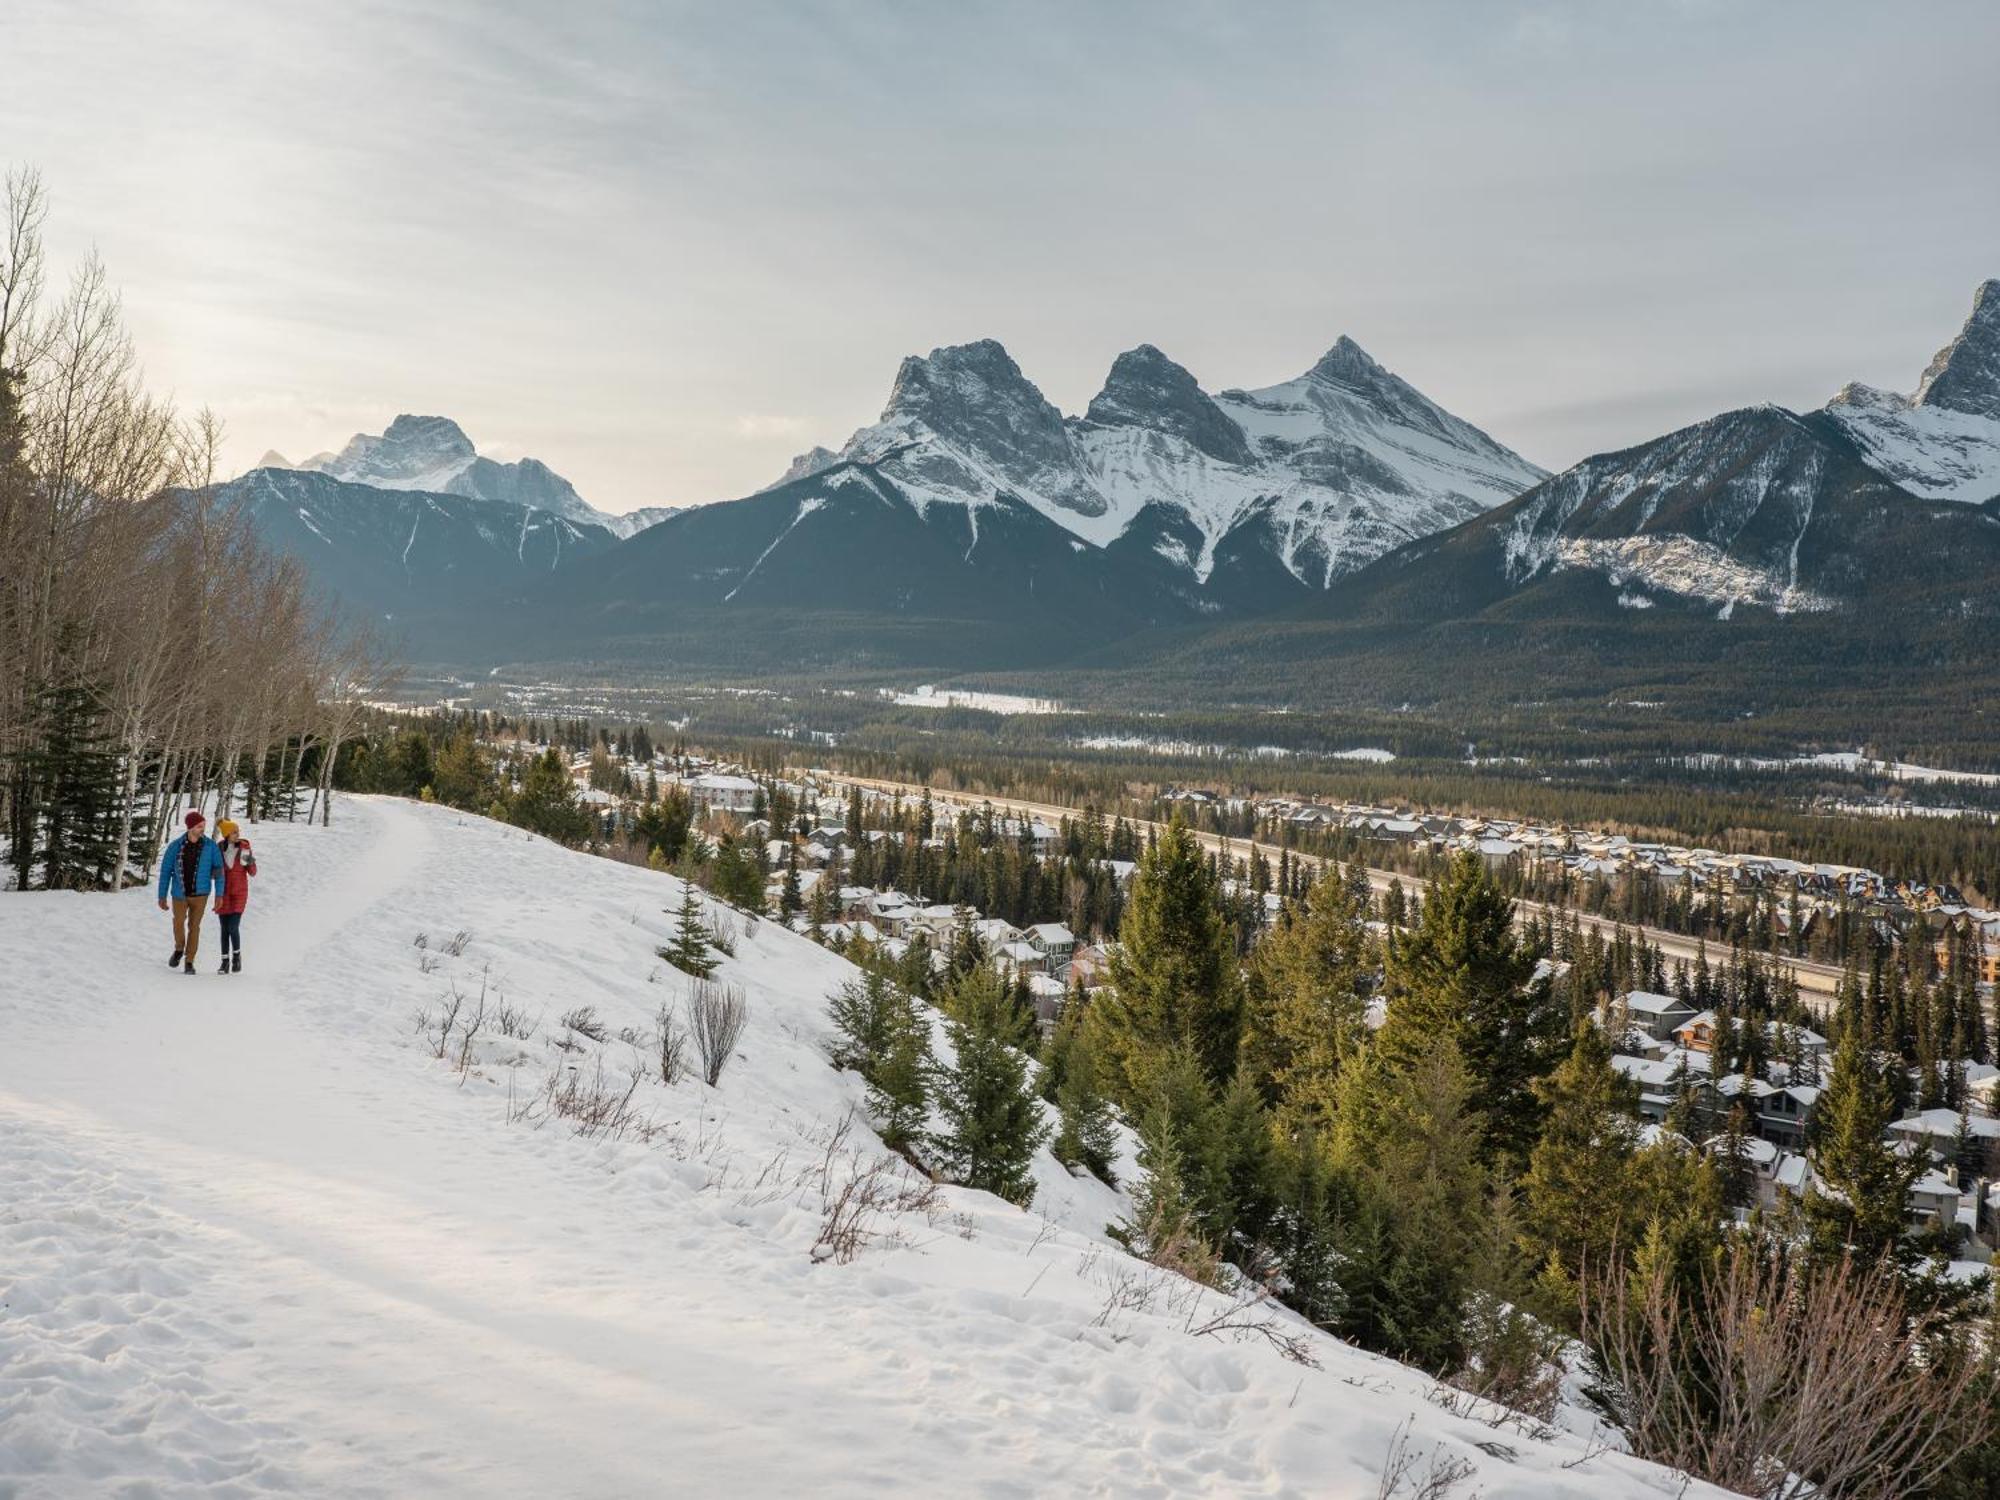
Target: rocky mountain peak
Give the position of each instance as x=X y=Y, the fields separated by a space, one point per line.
x=1147 y=389
x=1964 y=376
x=975 y=397
x=1348 y=364
x=434 y=434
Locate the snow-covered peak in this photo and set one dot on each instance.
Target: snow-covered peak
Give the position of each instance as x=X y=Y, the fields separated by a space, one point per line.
x=1147 y=389
x=1943 y=443
x=433 y=454
x=273 y=459
x=1964 y=376
x=981 y=429
x=1324 y=473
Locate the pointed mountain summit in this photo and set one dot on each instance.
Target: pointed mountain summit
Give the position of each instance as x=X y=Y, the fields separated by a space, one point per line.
x=1348 y=364
x=1942 y=443
x=1147 y=389
x=1964 y=376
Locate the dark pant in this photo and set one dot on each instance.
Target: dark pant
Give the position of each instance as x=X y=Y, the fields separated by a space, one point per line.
x=232 y=930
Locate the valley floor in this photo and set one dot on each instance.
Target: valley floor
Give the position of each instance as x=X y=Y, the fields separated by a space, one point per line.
x=256 y=1239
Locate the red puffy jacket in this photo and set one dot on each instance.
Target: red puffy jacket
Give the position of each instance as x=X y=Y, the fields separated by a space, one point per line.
x=238 y=865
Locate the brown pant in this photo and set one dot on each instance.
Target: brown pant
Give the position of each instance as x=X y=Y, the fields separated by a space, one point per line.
x=187 y=925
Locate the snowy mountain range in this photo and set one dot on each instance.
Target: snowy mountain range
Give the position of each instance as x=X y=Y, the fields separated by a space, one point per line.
x=1877 y=496
x=1319 y=474
x=433 y=455
x=389 y=552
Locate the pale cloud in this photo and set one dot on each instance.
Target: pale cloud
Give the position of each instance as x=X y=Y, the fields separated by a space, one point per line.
x=664 y=247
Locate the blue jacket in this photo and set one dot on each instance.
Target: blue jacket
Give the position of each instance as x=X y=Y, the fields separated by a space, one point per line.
x=207 y=872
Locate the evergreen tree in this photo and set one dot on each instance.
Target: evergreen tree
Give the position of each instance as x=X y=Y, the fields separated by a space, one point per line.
x=76 y=780
x=1304 y=1006
x=1862 y=1197
x=689 y=951
x=1413 y=1196
x=984 y=1000
x=1734 y=1166
x=1463 y=973
x=1174 y=983
x=1086 y=1128
x=992 y=1121
x=790 y=902
x=547 y=802
x=1573 y=1209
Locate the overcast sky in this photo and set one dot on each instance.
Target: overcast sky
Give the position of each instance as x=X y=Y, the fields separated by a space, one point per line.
x=665 y=247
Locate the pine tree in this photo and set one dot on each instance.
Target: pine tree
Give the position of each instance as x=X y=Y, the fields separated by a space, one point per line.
x=1162 y=1227
x=1174 y=983
x=1304 y=1006
x=864 y=1013
x=992 y=1121
x=77 y=779
x=689 y=951
x=1405 y=1156
x=789 y=900
x=1573 y=1210
x=1086 y=1128
x=1463 y=973
x=1738 y=1173
x=982 y=999
x=1862 y=1197
x=547 y=802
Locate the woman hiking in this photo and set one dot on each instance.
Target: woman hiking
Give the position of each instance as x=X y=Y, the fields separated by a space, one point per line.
x=238 y=865
x=190 y=870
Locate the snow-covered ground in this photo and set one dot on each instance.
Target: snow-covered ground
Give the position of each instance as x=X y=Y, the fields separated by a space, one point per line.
x=255 y=1238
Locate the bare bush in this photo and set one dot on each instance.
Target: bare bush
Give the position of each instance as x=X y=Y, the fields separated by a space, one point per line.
x=717 y=1014
x=446 y=1020
x=591 y=1101
x=671 y=1039
x=456 y=946
x=856 y=1192
x=513 y=1022
x=721 y=922
x=1251 y=1317
x=584 y=1023
x=1784 y=1379
x=1410 y=1475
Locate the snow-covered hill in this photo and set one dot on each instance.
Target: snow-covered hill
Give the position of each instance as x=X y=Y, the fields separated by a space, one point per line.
x=434 y=455
x=255 y=1237
x=1322 y=473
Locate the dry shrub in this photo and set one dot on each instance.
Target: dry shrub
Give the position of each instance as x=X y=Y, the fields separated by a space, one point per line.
x=1784 y=1379
x=717 y=1014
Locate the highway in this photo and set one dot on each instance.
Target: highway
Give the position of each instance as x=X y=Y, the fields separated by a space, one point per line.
x=1817 y=981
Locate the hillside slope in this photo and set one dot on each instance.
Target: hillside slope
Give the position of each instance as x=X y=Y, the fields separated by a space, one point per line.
x=256 y=1238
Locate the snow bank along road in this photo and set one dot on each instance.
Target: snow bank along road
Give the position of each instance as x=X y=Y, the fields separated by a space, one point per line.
x=1818 y=982
x=256 y=1239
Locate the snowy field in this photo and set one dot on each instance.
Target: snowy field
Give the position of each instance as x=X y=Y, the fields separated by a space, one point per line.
x=256 y=1238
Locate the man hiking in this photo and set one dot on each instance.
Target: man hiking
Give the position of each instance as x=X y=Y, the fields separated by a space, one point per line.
x=189 y=871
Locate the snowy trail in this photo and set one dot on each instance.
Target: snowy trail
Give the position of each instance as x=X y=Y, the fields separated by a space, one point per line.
x=306 y=1194
x=255 y=1239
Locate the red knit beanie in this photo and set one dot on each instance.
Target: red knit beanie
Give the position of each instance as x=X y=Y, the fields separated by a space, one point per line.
x=194 y=819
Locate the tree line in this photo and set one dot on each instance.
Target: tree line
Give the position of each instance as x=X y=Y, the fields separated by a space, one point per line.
x=153 y=653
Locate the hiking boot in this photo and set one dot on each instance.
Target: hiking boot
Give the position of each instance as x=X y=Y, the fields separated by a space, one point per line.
x=225 y=965
x=187 y=968
x=236 y=961
x=175 y=961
